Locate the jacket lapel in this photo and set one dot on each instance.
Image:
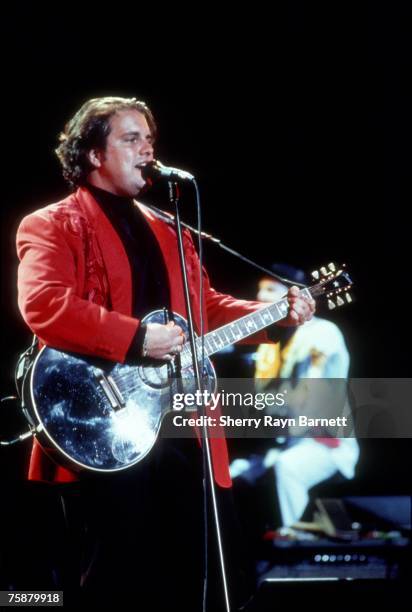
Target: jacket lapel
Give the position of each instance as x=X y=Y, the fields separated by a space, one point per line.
x=116 y=260
x=113 y=253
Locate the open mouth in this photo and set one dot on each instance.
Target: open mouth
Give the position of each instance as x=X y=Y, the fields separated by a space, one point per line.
x=144 y=168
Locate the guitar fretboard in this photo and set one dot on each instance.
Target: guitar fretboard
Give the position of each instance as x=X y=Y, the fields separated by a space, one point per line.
x=231 y=333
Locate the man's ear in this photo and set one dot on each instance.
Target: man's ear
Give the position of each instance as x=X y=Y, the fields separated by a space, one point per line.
x=95 y=157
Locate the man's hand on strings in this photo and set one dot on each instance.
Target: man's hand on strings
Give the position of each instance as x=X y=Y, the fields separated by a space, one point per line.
x=301 y=309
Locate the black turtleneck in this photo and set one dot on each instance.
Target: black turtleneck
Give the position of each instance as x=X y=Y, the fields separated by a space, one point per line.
x=150 y=285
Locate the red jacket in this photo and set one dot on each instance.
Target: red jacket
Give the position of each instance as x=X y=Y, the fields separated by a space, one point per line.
x=75 y=294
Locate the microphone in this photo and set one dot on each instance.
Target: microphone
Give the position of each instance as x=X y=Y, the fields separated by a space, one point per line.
x=156 y=169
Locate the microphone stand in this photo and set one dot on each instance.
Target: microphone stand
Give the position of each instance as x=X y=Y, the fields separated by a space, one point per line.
x=174 y=197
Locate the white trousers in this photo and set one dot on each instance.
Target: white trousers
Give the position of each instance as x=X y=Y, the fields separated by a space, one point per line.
x=306 y=464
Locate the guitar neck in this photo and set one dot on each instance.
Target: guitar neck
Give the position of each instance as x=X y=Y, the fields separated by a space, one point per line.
x=236 y=331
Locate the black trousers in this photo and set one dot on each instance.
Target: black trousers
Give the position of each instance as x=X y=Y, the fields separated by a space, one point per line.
x=135 y=539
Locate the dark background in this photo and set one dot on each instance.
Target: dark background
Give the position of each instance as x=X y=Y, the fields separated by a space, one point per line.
x=295 y=120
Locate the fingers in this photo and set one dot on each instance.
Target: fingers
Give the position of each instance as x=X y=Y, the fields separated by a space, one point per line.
x=293 y=291
x=175 y=341
x=174 y=349
x=173 y=330
x=164 y=341
x=301 y=308
x=302 y=311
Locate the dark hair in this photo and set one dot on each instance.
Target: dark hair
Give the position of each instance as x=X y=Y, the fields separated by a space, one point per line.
x=89 y=129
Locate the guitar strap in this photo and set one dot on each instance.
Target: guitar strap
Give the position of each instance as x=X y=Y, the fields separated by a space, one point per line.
x=24 y=363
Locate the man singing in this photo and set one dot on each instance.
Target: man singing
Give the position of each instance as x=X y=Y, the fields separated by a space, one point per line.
x=91 y=266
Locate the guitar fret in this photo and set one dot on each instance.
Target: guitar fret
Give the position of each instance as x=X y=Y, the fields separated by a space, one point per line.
x=265 y=316
x=251 y=325
x=208 y=344
x=225 y=338
x=228 y=337
x=283 y=308
x=212 y=339
x=220 y=341
x=234 y=328
x=242 y=328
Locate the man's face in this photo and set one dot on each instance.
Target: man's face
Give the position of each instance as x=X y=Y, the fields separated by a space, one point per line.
x=129 y=145
x=270 y=290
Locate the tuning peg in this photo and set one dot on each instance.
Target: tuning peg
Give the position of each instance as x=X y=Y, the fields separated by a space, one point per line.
x=331 y=305
x=349 y=298
x=332 y=267
x=339 y=301
x=315 y=274
x=323 y=271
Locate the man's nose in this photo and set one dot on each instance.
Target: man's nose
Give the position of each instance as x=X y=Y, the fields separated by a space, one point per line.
x=147 y=149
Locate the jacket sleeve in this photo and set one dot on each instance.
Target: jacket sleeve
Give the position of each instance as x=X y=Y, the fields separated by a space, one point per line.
x=49 y=295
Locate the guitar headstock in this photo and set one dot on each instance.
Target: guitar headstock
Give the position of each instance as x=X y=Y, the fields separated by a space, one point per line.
x=334 y=283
